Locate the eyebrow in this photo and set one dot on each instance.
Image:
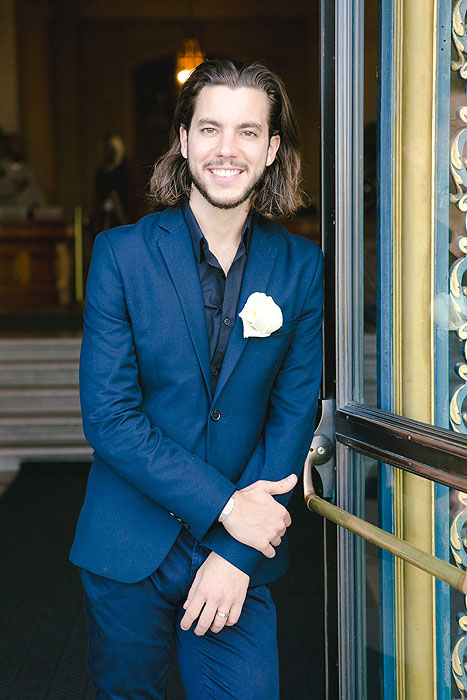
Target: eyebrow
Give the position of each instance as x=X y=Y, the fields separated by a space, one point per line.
x=246 y=125
x=251 y=125
x=206 y=120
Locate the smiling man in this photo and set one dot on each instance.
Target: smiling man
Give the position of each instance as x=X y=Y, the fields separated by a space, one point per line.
x=226 y=155
x=199 y=375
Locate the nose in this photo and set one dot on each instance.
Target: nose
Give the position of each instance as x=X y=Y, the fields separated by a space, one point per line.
x=227 y=146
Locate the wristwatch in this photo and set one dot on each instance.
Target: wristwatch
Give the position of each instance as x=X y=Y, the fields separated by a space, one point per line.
x=227 y=509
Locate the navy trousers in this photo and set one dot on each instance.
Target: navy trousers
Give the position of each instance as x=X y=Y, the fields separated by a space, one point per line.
x=131 y=627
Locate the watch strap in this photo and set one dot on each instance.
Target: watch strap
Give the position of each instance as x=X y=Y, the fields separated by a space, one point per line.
x=227 y=509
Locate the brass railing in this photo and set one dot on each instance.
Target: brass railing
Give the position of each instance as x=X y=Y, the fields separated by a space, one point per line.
x=400 y=548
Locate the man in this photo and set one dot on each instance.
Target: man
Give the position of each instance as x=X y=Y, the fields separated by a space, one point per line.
x=200 y=371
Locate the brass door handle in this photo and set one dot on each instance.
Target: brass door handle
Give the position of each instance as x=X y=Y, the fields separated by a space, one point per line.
x=400 y=548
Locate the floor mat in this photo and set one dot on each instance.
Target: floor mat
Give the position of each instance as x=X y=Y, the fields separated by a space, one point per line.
x=42 y=626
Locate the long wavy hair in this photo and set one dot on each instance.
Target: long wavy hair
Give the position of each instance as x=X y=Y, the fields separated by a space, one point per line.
x=279 y=192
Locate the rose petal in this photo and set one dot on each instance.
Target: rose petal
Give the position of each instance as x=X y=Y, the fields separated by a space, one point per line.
x=261 y=316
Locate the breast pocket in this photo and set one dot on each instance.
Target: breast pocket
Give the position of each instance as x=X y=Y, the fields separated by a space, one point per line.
x=273 y=347
x=287 y=327
x=267 y=354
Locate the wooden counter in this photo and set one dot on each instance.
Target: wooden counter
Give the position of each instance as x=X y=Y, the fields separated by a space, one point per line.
x=31 y=273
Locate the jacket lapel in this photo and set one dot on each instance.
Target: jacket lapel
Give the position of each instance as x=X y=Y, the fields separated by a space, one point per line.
x=261 y=257
x=177 y=251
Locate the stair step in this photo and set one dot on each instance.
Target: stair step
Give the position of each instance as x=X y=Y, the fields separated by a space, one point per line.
x=39 y=401
x=29 y=402
x=60 y=431
x=40 y=349
x=39 y=374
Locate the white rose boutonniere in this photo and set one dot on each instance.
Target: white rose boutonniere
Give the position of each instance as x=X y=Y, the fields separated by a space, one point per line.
x=261 y=316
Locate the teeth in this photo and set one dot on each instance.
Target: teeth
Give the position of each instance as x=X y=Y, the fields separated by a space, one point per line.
x=225 y=173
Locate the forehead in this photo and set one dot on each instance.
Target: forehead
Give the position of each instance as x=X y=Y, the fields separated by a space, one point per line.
x=232 y=105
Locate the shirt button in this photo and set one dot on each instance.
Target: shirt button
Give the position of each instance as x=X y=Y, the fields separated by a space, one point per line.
x=215 y=371
x=215 y=415
x=227 y=322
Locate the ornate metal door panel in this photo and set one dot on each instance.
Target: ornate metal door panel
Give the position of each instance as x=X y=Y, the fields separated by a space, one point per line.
x=395 y=239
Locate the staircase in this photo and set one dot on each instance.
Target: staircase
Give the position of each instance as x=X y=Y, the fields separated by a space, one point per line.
x=39 y=402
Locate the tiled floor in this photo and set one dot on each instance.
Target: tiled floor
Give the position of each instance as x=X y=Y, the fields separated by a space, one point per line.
x=42 y=631
x=42 y=627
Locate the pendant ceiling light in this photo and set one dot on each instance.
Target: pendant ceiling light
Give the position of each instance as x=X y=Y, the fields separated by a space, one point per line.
x=188 y=59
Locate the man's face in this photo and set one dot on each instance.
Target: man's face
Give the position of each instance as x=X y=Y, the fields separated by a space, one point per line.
x=228 y=145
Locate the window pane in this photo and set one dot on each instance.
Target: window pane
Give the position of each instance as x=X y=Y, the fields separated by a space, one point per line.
x=387 y=597
x=370 y=200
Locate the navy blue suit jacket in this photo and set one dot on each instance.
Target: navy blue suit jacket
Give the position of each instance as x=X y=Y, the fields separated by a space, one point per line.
x=160 y=460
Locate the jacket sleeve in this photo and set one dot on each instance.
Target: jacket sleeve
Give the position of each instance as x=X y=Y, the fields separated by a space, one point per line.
x=290 y=424
x=113 y=422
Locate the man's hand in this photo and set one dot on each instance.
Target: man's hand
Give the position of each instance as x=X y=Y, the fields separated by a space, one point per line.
x=257 y=519
x=218 y=587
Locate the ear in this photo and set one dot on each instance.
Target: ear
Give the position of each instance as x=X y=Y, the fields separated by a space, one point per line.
x=183 y=141
x=274 y=143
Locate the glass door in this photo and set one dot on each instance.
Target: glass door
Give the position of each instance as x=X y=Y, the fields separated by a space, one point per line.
x=394 y=134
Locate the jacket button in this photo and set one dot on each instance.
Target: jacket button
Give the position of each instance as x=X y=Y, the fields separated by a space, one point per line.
x=215 y=414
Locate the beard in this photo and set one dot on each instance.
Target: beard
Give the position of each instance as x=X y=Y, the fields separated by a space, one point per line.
x=226 y=204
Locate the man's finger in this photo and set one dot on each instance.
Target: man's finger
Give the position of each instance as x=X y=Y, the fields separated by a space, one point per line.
x=276 y=541
x=269 y=552
x=206 y=619
x=283 y=486
x=192 y=613
x=220 y=619
x=234 y=614
x=191 y=593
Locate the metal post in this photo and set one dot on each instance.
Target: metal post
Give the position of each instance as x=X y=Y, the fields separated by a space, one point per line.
x=78 y=241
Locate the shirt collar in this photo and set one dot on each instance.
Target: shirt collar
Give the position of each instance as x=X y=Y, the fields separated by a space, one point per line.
x=197 y=237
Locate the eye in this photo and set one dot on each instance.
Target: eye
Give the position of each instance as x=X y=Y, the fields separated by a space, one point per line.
x=249 y=134
x=208 y=130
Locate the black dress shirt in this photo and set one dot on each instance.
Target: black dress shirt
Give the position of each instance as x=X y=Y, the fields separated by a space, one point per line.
x=220 y=292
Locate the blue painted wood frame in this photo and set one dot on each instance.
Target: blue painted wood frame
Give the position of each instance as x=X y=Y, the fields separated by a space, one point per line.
x=385 y=363
x=441 y=336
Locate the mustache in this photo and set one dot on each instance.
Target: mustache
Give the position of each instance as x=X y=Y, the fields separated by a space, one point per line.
x=229 y=165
